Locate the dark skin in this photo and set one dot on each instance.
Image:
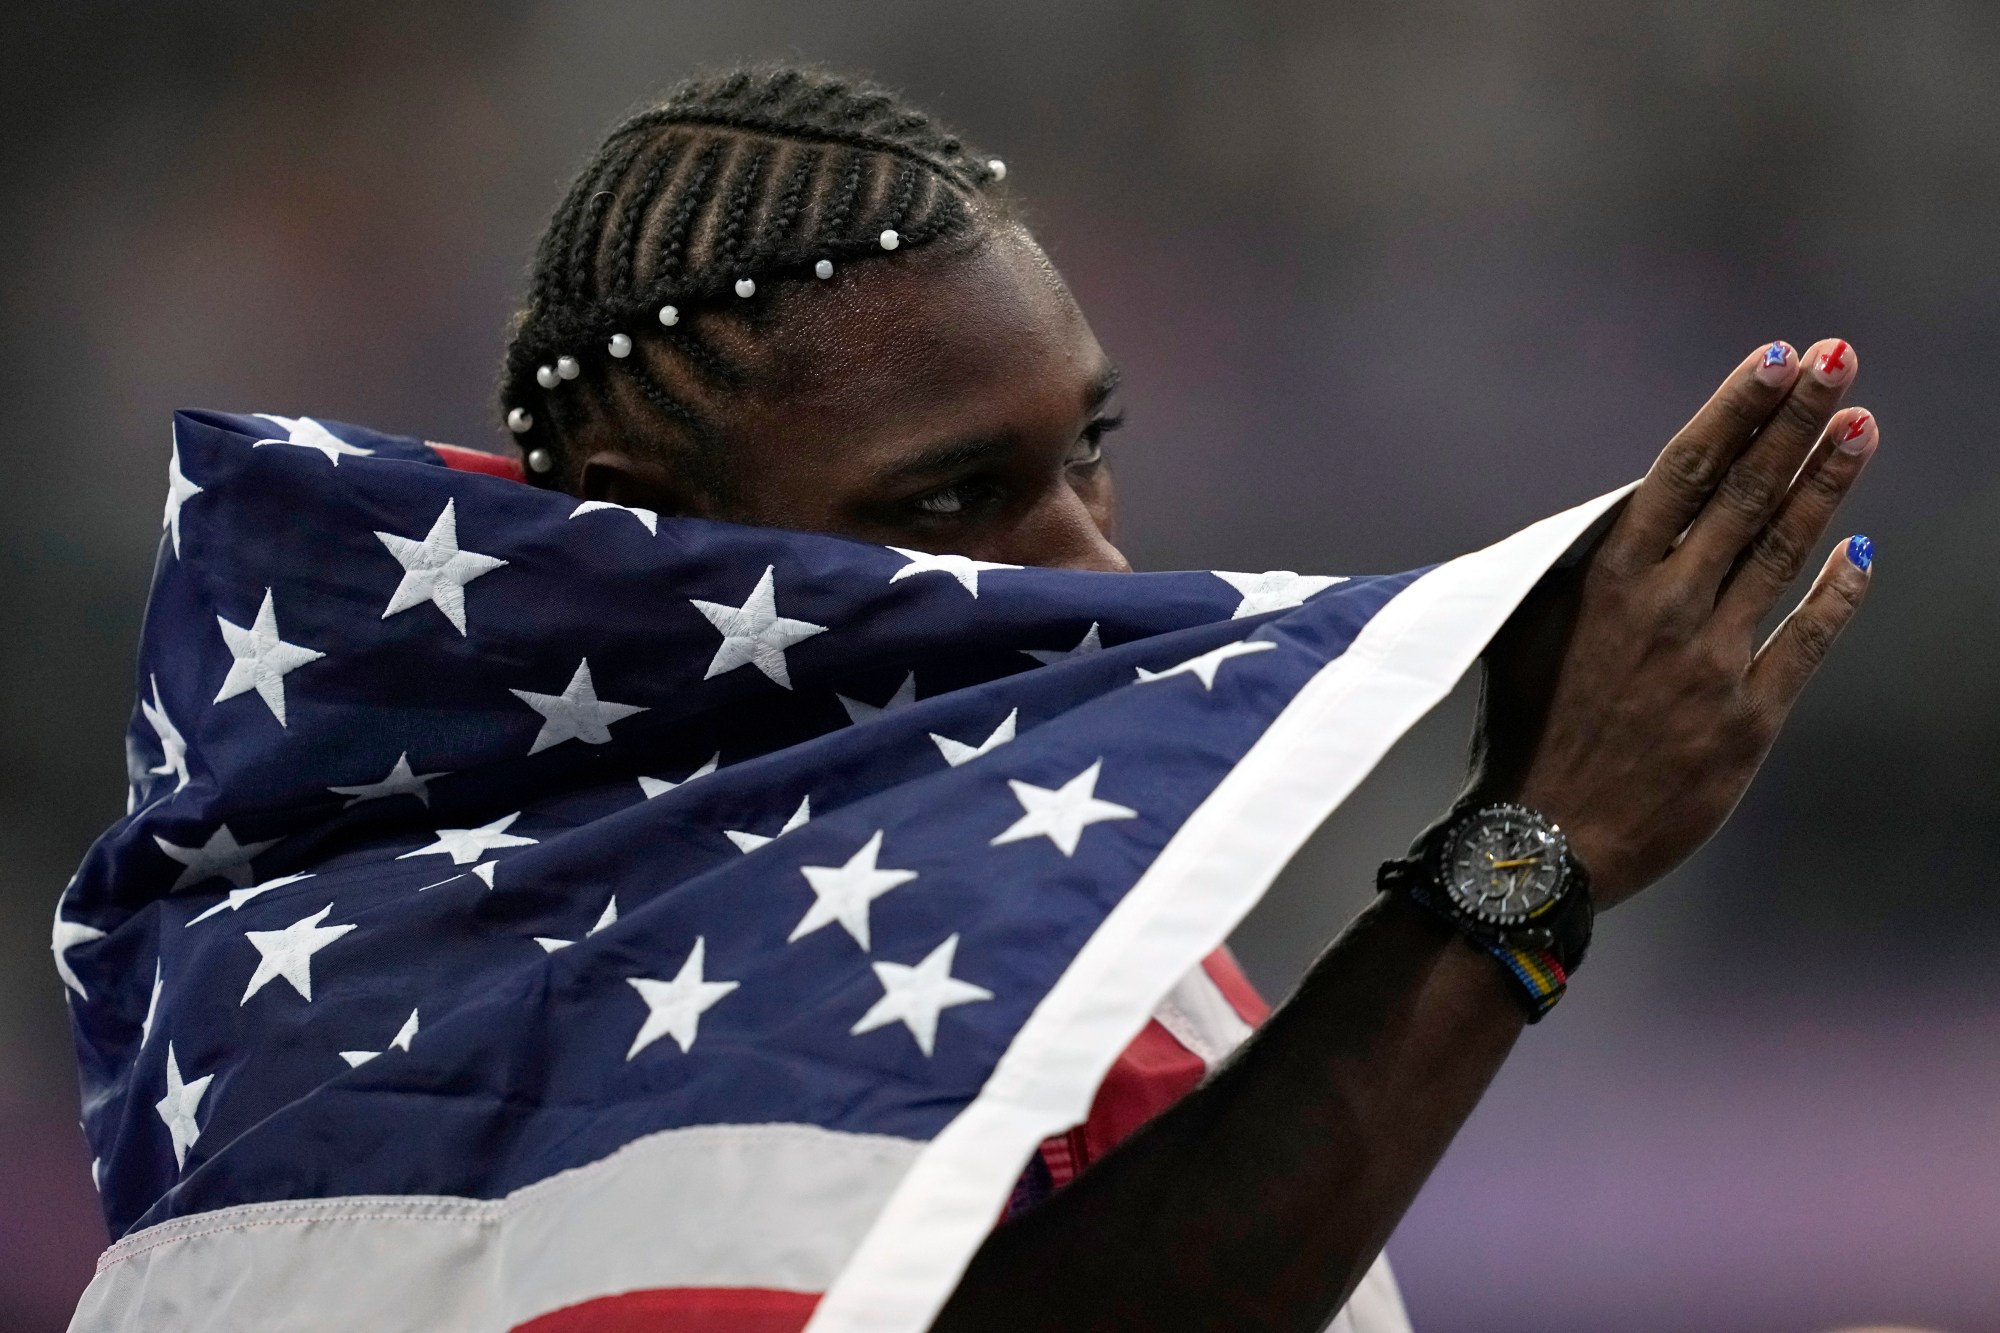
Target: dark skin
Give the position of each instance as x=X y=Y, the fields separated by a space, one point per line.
x=954 y=403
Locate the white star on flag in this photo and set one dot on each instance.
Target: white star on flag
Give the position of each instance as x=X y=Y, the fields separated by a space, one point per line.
x=465 y=845
x=179 y=491
x=220 y=855
x=660 y=786
x=152 y=1007
x=288 y=953
x=400 y=782
x=309 y=434
x=262 y=659
x=962 y=568
x=400 y=1042
x=66 y=936
x=436 y=569
x=958 y=752
x=754 y=634
x=577 y=714
x=915 y=996
x=1204 y=667
x=177 y=1108
x=1088 y=644
x=905 y=695
x=842 y=893
x=645 y=516
x=237 y=897
x=605 y=919
x=1274 y=590
x=674 y=1008
x=1061 y=815
x=750 y=842
x=173 y=747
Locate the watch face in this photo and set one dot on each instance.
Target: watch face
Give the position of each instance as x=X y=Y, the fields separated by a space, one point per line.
x=1504 y=865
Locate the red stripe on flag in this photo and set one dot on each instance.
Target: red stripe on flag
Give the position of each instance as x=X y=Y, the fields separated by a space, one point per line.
x=682 y=1310
x=474 y=460
x=1228 y=977
x=1154 y=1072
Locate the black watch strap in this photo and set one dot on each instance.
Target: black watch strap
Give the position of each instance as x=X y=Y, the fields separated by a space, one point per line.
x=1538 y=957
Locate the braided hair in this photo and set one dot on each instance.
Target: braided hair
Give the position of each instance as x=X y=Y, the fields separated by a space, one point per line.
x=730 y=188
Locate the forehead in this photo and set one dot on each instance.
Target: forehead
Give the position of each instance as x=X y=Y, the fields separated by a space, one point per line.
x=914 y=346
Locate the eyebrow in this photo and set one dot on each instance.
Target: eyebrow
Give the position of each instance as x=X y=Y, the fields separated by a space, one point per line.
x=946 y=457
x=1102 y=388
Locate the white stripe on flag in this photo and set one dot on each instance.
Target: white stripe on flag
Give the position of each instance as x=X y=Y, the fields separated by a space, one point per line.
x=772 y=1206
x=1198 y=1016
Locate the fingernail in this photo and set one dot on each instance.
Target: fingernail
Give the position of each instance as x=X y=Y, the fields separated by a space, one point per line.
x=1835 y=365
x=1776 y=367
x=1857 y=436
x=1860 y=552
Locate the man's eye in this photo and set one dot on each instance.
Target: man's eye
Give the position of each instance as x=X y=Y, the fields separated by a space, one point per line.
x=950 y=500
x=1088 y=451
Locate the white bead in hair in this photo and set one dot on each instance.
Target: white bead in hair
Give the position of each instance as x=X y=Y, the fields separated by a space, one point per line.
x=746 y=287
x=539 y=460
x=823 y=269
x=519 y=421
x=546 y=377
x=567 y=367
x=996 y=169
x=890 y=240
x=669 y=316
x=621 y=346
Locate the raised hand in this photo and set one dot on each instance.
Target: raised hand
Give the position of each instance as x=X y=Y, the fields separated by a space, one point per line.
x=1631 y=701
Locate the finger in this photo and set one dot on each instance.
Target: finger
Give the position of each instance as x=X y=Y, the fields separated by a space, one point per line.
x=1754 y=485
x=1795 y=650
x=1689 y=468
x=1777 y=554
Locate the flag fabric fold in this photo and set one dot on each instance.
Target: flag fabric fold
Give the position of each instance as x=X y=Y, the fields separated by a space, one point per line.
x=533 y=912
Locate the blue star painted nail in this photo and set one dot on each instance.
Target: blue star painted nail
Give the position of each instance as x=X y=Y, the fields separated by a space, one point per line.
x=1860 y=552
x=1775 y=354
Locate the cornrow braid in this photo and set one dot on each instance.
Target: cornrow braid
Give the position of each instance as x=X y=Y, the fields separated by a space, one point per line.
x=680 y=218
x=626 y=235
x=847 y=194
x=732 y=245
x=732 y=185
x=784 y=214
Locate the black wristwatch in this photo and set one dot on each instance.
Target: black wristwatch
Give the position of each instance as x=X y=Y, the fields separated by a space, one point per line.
x=1503 y=876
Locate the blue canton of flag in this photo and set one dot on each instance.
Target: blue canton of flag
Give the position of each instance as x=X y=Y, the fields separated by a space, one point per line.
x=526 y=904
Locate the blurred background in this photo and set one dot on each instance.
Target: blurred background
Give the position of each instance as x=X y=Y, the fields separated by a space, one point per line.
x=1387 y=281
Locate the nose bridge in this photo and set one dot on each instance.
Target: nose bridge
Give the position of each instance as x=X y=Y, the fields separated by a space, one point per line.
x=1063 y=533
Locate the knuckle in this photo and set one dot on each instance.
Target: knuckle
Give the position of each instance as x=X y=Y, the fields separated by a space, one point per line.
x=1721 y=661
x=1688 y=469
x=1812 y=638
x=1614 y=565
x=1799 y=419
x=1747 y=494
x=1757 y=723
x=1740 y=414
x=1675 y=617
x=1823 y=486
x=1778 y=553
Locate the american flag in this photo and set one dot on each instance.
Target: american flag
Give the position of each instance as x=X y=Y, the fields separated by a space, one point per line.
x=534 y=914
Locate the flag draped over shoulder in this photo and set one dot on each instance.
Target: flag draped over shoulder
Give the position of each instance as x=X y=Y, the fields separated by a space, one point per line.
x=525 y=903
